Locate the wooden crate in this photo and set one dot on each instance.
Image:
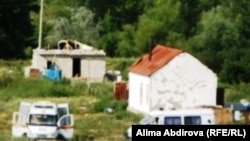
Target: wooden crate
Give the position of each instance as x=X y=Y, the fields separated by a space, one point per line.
x=223 y=115
x=33 y=73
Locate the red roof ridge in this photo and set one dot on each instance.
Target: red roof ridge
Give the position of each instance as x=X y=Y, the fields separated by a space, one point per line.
x=149 y=63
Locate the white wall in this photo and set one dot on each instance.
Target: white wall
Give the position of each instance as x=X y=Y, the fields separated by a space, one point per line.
x=183 y=82
x=65 y=64
x=139 y=98
x=38 y=61
x=93 y=69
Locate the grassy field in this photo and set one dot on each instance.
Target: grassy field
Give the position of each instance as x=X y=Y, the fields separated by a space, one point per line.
x=91 y=122
x=87 y=105
x=89 y=125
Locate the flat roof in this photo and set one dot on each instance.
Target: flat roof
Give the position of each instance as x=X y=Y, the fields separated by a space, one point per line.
x=74 y=52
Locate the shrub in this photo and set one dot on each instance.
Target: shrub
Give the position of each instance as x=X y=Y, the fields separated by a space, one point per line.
x=103 y=103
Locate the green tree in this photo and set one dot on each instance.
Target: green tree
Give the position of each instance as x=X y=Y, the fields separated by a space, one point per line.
x=52 y=10
x=236 y=67
x=222 y=40
x=216 y=34
x=114 y=15
x=240 y=9
x=126 y=46
x=78 y=24
x=16 y=31
x=158 y=24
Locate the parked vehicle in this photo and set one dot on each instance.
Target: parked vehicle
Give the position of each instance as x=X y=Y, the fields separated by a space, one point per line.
x=43 y=120
x=199 y=116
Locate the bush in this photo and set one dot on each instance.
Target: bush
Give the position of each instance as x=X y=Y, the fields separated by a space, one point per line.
x=236 y=92
x=103 y=103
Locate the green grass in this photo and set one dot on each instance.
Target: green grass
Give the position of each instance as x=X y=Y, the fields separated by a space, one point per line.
x=89 y=124
x=87 y=104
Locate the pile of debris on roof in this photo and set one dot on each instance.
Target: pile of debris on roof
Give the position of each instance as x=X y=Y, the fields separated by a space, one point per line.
x=68 y=44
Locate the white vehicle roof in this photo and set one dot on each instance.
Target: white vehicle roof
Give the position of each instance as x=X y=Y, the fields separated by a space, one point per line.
x=43 y=107
x=179 y=112
x=206 y=112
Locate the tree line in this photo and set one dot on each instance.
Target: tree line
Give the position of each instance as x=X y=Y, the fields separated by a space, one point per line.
x=215 y=31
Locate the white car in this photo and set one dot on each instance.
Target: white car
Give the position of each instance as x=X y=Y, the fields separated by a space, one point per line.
x=197 y=116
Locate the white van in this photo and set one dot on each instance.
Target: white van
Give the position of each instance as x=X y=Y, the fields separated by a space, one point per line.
x=197 y=116
x=43 y=120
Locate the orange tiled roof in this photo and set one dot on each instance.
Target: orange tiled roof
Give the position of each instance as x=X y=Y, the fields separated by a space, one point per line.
x=151 y=62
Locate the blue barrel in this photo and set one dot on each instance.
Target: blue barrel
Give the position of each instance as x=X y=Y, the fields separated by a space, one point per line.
x=53 y=74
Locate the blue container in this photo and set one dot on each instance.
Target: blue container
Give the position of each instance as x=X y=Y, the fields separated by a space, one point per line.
x=53 y=74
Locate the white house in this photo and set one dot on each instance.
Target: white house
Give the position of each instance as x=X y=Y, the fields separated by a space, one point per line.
x=72 y=58
x=169 y=78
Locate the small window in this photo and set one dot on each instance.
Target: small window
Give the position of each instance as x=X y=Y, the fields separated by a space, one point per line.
x=192 y=120
x=172 y=120
x=65 y=121
x=61 y=112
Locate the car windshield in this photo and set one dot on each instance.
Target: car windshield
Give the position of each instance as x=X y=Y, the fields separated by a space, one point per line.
x=41 y=119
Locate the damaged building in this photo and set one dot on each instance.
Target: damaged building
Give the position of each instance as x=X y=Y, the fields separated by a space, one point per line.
x=71 y=59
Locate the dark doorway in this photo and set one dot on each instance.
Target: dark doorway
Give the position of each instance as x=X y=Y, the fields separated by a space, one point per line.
x=49 y=63
x=76 y=67
x=220 y=96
